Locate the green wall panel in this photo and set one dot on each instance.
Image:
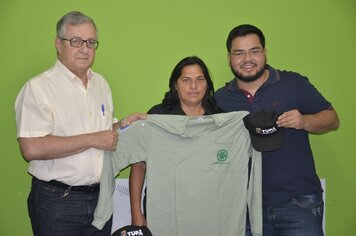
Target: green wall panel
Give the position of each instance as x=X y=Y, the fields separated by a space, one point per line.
x=140 y=43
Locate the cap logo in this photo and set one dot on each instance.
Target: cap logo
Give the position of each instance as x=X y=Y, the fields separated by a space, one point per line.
x=134 y=233
x=132 y=230
x=266 y=131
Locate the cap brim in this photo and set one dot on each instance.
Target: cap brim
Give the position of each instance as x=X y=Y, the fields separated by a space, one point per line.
x=267 y=143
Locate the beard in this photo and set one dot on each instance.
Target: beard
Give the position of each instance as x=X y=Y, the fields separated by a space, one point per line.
x=249 y=78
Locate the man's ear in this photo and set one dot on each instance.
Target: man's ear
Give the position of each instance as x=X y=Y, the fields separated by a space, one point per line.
x=58 y=44
x=265 y=49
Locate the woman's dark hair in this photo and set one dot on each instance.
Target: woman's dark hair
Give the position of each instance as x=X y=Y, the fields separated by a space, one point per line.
x=243 y=30
x=171 y=98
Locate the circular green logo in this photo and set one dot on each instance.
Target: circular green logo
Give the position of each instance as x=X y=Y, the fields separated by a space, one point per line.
x=222 y=155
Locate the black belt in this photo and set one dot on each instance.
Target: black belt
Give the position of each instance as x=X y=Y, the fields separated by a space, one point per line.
x=81 y=188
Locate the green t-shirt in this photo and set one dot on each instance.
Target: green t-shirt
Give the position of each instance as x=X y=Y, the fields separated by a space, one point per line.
x=197 y=174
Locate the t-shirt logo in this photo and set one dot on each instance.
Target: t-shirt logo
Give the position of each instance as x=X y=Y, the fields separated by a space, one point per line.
x=222 y=155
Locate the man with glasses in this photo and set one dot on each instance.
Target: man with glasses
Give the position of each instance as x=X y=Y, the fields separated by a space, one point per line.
x=292 y=193
x=64 y=122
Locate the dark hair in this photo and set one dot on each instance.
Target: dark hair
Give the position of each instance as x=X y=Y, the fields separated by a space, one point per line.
x=243 y=30
x=171 y=98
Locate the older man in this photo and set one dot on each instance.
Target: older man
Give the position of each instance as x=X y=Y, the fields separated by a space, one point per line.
x=64 y=122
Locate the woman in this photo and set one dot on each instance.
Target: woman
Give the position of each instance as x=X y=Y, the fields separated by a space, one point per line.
x=190 y=93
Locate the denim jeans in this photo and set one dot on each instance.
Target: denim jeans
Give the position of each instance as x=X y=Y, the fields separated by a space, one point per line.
x=57 y=212
x=302 y=216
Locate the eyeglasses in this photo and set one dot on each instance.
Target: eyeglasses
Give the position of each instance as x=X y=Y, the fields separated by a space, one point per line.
x=78 y=42
x=253 y=52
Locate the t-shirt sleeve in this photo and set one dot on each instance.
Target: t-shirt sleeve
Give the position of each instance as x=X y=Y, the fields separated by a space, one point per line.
x=255 y=193
x=133 y=145
x=312 y=100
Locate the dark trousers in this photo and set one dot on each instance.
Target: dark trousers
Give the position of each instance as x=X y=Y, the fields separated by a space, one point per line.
x=56 y=211
x=302 y=216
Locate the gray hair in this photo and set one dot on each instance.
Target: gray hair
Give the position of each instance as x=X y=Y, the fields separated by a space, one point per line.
x=73 y=18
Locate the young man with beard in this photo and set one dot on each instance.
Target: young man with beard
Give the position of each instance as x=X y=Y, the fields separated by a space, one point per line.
x=292 y=193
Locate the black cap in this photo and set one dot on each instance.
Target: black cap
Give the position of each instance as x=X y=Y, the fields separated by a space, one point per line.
x=132 y=230
x=264 y=132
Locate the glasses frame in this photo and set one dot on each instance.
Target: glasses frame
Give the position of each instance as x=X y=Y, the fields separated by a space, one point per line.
x=253 y=52
x=82 y=41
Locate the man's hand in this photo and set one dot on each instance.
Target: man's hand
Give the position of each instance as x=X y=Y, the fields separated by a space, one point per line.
x=131 y=118
x=318 y=123
x=106 y=140
x=291 y=119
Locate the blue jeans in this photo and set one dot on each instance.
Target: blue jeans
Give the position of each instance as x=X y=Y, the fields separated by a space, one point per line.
x=57 y=212
x=302 y=216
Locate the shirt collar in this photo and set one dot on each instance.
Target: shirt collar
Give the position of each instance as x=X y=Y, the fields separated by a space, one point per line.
x=68 y=74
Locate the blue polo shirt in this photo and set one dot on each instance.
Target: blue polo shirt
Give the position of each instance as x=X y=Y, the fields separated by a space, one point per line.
x=289 y=171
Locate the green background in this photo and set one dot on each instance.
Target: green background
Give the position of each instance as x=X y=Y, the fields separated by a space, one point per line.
x=140 y=43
